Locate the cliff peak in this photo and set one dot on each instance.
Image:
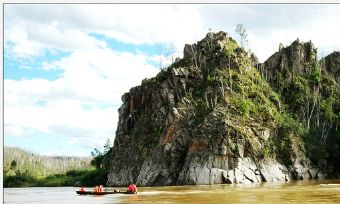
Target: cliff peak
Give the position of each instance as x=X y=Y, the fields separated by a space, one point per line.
x=331 y=65
x=299 y=58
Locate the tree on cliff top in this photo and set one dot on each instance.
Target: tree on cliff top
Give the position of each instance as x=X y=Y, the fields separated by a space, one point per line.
x=241 y=31
x=98 y=156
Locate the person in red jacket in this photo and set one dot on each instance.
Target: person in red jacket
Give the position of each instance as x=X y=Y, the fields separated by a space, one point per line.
x=96 y=189
x=132 y=188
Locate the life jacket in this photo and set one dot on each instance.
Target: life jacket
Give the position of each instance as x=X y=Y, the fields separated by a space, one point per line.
x=131 y=188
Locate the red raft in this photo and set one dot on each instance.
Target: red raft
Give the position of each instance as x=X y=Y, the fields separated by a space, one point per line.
x=103 y=193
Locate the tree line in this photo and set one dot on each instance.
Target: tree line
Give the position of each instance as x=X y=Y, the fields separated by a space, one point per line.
x=26 y=169
x=18 y=160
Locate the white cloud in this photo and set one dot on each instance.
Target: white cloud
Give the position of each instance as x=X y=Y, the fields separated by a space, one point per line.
x=30 y=40
x=21 y=47
x=104 y=73
x=93 y=74
x=32 y=28
x=72 y=104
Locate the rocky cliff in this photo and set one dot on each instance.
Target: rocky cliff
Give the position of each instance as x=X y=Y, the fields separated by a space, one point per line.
x=310 y=91
x=331 y=65
x=217 y=116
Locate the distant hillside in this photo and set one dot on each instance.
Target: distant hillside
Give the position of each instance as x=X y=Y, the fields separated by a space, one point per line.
x=40 y=165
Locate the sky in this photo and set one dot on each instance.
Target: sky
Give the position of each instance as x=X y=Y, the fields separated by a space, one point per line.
x=66 y=66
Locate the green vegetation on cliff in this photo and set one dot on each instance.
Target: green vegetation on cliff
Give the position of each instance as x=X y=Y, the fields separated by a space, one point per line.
x=310 y=92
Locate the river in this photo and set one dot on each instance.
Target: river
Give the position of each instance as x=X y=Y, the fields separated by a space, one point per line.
x=301 y=192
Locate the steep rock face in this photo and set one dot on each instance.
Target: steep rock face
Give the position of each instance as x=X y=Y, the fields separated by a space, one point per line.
x=149 y=112
x=331 y=64
x=297 y=59
x=209 y=118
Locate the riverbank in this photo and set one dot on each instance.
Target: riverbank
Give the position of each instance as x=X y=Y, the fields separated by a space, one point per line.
x=70 y=178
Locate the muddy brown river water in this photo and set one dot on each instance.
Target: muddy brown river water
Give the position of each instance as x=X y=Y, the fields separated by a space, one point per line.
x=301 y=192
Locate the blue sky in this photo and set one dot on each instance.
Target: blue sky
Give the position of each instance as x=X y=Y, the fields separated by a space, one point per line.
x=16 y=68
x=66 y=66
